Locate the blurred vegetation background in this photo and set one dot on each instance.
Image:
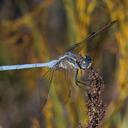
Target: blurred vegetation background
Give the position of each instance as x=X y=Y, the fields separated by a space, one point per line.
x=40 y=30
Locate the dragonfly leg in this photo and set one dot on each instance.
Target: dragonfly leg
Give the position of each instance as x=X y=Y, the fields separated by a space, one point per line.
x=79 y=83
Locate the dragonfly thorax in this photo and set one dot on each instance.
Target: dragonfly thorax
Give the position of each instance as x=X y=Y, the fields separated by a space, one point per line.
x=70 y=60
x=68 y=63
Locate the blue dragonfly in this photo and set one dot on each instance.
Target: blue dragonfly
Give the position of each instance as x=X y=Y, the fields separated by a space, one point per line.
x=70 y=60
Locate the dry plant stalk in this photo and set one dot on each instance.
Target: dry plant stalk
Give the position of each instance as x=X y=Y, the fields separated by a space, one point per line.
x=96 y=107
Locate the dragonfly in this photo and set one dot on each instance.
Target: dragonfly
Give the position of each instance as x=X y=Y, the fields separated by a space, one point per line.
x=71 y=59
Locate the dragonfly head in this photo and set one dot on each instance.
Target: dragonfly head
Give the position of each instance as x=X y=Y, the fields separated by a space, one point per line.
x=85 y=62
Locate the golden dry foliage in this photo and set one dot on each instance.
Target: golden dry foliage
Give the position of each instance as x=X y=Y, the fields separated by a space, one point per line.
x=42 y=32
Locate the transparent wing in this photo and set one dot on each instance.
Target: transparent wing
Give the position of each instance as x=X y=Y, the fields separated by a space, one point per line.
x=76 y=48
x=44 y=89
x=63 y=84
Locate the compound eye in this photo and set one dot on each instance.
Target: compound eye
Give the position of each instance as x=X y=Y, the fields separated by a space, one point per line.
x=88 y=58
x=84 y=62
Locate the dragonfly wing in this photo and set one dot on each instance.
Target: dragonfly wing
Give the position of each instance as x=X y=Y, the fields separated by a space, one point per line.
x=80 y=46
x=62 y=84
x=45 y=88
x=76 y=48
